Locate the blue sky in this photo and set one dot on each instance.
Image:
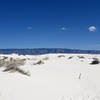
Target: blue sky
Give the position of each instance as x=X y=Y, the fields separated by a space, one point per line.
x=50 y=24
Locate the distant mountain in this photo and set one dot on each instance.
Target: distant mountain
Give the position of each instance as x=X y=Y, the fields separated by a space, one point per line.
x=46 y=51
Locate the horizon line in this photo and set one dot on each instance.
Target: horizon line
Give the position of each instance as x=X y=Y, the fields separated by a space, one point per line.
x=49 y=48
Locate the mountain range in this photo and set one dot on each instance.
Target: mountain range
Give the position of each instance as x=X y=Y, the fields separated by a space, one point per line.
x=39 y=51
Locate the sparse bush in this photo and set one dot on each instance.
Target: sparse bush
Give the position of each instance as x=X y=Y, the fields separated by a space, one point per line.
x=2 y=63
x=10 y=67
x=14 y=68
x=23 y=72
x=61 y=56
x=39 y=62
x=95 y=61
x=81 y=57
x=28 y=58
x=70 y=57
x=13 y=65
x=5 y=57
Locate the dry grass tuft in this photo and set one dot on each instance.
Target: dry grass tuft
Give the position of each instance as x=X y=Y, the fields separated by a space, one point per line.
x=39 y=62
x=70 y=57
x=61 y=56
x=13 y=65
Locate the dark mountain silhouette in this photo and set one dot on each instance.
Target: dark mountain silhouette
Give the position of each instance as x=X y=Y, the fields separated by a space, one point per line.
x=47 y=51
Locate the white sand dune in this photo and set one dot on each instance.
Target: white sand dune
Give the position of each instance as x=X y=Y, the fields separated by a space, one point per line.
x=59 y=78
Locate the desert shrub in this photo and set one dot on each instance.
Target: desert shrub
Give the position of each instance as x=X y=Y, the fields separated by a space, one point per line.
x=10 y=67
x=39 y=62
x=28 y=58
x=13 y=65
x=2 y=63
x=70 y=57
x=19 y=62
x=95 y=61
x=4 y=57
x=81 y=57
x=23 y=72
x=14 y=68
x=61 y=56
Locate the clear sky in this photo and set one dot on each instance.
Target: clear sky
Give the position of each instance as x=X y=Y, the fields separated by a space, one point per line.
x=50 y=24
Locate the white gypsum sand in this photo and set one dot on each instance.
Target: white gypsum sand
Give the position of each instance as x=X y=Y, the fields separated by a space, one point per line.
x=52 y=77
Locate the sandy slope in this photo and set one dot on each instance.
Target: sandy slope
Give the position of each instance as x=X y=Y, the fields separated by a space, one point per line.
x=59 y=78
